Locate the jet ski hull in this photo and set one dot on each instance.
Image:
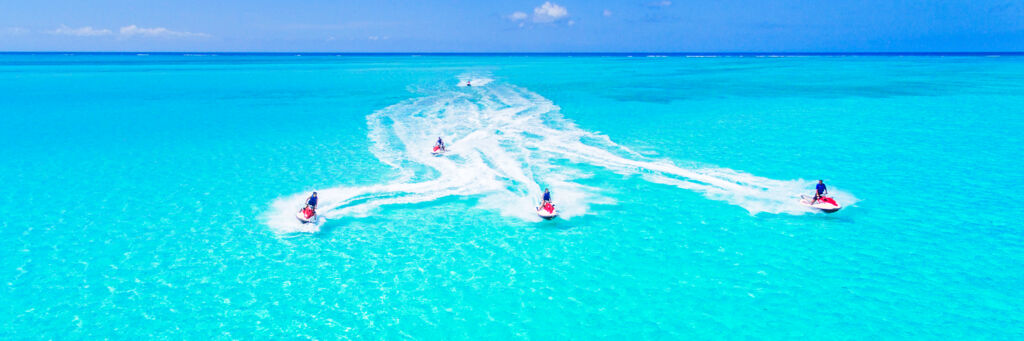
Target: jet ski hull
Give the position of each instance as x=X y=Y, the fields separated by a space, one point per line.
x=304 y=220
x=547 y=215
x=821 y=206
x=437 y=151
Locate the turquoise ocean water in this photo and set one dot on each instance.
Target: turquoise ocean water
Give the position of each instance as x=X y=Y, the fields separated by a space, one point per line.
x=154 y=196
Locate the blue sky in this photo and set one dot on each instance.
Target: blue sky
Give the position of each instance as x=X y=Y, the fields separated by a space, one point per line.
x=513 y=26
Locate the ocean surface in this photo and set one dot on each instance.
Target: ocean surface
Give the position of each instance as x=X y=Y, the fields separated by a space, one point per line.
x=154 y=196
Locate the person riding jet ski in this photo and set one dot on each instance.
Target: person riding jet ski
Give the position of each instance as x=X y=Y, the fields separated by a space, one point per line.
x=547 y=208
x=312 y=201
x=820 y=201
x=820 y=191
x=439 y=146
x=308 y=213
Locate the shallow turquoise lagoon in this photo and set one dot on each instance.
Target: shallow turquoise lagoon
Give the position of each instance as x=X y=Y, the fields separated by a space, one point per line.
x=154 y=196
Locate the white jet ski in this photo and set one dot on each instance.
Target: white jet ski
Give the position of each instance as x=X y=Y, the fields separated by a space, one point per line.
x=315 y=218
x=547 y=212
x=437 y=151
x=824 y=204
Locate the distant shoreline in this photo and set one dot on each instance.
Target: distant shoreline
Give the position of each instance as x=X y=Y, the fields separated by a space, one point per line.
x=527 y=54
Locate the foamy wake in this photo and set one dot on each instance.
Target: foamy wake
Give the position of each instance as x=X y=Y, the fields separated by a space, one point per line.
x=505 y=143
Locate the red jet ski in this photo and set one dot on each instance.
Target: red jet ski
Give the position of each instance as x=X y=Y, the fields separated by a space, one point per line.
x=438 y=151
x=547 y=211
x=307 y=215
x=824 y=204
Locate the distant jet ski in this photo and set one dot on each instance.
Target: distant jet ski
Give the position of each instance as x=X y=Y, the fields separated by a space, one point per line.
x=439 y=147
x=824 y=204
x=438 y=151
x=307 y=216
x=547 y=211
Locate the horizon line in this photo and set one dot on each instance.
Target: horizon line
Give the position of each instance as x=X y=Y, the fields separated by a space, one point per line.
x=533 y=53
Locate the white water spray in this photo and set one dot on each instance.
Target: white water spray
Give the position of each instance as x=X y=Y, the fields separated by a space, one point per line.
x=501 y=140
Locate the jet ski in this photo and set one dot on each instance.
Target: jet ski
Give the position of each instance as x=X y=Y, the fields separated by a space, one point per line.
x=307 y=216
x=547 y=211
x=438 y=151
x=824 y=204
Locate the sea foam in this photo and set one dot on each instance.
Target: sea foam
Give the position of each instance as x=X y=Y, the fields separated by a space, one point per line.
x=502 y=140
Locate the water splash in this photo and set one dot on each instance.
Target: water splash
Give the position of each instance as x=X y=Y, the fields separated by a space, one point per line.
x=502 y=139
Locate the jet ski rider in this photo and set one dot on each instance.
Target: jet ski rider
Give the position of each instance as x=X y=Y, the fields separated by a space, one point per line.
x=440 y=144
x=819 y=191
x=311 y=202
x=547 y=198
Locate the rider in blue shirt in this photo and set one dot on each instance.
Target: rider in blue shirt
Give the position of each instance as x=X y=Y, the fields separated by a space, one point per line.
x=547 y=197
x=312 y=201
x=440 y=144
x=820 y=190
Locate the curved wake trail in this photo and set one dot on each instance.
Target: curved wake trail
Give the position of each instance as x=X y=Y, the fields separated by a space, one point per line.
x=501 y=140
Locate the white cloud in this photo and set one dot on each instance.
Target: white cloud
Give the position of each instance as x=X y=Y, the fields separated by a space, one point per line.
x=549 y=12
x=158 y=32
x=546 y=13
x=13 y=31
x=85 y=31
x=607 y=13
x=664 y=3
x=125 y=32
x=377 y=37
